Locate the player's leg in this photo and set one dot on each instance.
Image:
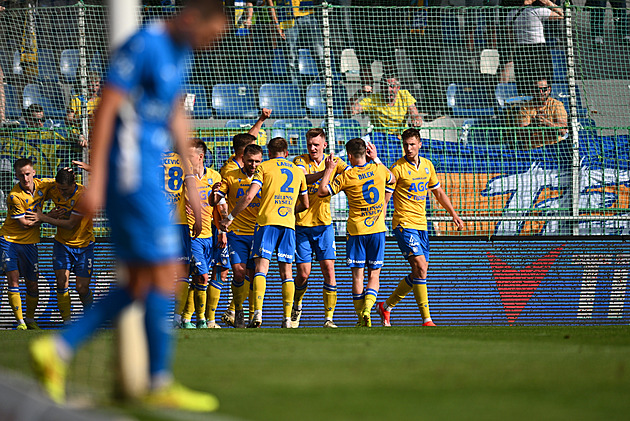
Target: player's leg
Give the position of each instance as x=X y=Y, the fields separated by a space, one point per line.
x=184 y=294
x=285 y=246
x=303 y=256
x=259 y=288
x=83 y=264
x=265 y=241
x=28 y=267
x=199 y=274
x=15 y=301
x=219 y=274
x=375 y=254
x=419 y=269
x=358 y=293
x=326 y=253
x=62 y=263
x=355 y=259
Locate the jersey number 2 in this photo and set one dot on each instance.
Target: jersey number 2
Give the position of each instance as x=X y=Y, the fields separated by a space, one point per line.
x=285 y=187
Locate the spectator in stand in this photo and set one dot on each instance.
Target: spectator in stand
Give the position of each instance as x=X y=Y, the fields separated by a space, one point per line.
x=532 y=58
x=620 y=17
x=93 y=99
x=545 y=117
x=34 y=117
x=388 y=112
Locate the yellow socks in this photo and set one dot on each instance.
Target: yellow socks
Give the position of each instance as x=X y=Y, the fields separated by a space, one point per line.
x=63 y=303
x=358 y=300
x=299 y=295
x=214 y=294
x=370 y=299
x=288 y=293
x=260 y=285
x=403 y=288
x=15 y=301
x=422 y=297
x=330 y=300
x=189 y=308
x=201 y=292
x=181 y=295
x=31 y=305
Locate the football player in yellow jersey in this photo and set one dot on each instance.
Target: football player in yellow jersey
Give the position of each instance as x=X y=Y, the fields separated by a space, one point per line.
x=73 y=247
x=241 y=234
x=365 y=185
x=174 y=170
x=203 y=256
x=314 y=232
x=239 y=142
x=280 y=183
x=18 y=240
x=415 y=177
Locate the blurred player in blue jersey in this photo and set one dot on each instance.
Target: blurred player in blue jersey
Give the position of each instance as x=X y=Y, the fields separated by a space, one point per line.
x=365 y=185
x=415 y=177
x=140 y=115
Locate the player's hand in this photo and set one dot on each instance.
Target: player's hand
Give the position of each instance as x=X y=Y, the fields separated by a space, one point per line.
x=196 y=229
x=222 y=240
x=55 y=213
x=265 y=114
x=458 y=222
x=31 y=217
x=330 y=163
x=367 y=89
x=225 y=223
x=371 y=151
x=82 y=165
x=216 y=186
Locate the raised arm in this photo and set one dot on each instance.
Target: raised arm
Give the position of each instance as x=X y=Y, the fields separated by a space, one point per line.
x=264 y=115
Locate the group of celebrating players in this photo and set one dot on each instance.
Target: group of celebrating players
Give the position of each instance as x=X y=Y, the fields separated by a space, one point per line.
x=256 y=208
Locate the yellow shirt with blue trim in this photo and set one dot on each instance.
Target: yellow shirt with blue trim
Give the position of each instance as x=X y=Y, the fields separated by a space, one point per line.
x=204 y=187
x=318 y=212
x=281 y=182
x=365 y=188
x=385 y=116
x=20 y=201
x=83 y=233
x=90 y=105
x=174 y=175
x=411 y=191
x=235 y=184
x=229 y=165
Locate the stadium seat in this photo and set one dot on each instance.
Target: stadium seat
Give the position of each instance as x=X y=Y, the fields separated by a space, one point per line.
x=349 y=64
x=345 y=129
x=316 y=100
x=306 y=63
x=294 y=131
x=12 y=108
x=200 y=108
x=561 y=92
x=489 y=62
x=68 y=65
x=469 y=100
x=279 y=63
x=506 y=94
x=234 y=101
x=47 y=66
x=36 y=94
x=450 y=28
x=284 y=99
x=559 y=61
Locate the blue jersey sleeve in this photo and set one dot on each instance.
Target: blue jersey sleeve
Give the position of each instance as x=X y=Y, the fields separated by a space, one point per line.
x=127 y=63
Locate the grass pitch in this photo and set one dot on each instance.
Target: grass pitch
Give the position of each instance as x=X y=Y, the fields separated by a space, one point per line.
x=472 y=373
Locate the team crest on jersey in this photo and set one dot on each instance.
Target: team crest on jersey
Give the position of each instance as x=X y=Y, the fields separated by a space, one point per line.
x=72 y=203
x=40 y=193
x=426 y=170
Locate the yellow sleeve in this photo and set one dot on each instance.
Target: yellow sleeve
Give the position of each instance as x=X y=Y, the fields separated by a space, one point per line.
x=434 y=182
x=75 y=105
x=366 y=103
x=337 y=184
x=341 y=165
x=303 y=185
x=258 y=176
x=15 y=207
x=523 y=118
x=407 y=98
x=394 y=170
x=299 y=161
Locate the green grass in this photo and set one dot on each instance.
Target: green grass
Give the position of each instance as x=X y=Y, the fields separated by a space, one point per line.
x=473 y=373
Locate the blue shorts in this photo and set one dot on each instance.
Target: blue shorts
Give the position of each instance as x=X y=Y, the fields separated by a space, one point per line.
x=319 y=240
x=76 y=259
x=202 y=256
x=221 y=255
x=240 y=247
x=141 y=229
x=362 y=249
x=20 y=257
x=184 y=238
x=270 y=238
x=412 y=242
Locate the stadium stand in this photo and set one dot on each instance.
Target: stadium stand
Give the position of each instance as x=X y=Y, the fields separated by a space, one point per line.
x=68 y=65
x=285 y=100
x=316 y=100
x=233 y=101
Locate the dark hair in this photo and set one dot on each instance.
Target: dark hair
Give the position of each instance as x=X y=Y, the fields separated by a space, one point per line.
x=356 y=147
x=409 y=133
x=207 y=8
x=241 y=140
x=65 y=176
x=200 y=145
x=21 y=163
x=317 y=131
x=252 y=149
x=34 y=108
x=276 y=146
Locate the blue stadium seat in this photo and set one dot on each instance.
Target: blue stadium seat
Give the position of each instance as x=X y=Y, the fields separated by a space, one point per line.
x=294 y=131
x=47 y=98
x=279 y=63
x=234 y=101
x=306 y=63
x=47 y=66
x=13 y=106
x=68 y=65
x=507 y=94
x=561 y=92
x=469 y=100
x=559 y=61
x=200 y=109
x=316 y=100
x=345 y=129
x=284 y=99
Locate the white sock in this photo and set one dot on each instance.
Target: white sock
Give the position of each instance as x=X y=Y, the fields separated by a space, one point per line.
x=428 y=319
x=387 y=308
x=177 y=318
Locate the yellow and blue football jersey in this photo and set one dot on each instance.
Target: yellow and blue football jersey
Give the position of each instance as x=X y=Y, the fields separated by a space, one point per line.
x=174 y=175
x=204 y=187
x=235 y=184
x=82 y=234
x=281 y=182
x=411 y=191
x=318 y=212
x=20 y=201
x=365 y=188
x=229 y=165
